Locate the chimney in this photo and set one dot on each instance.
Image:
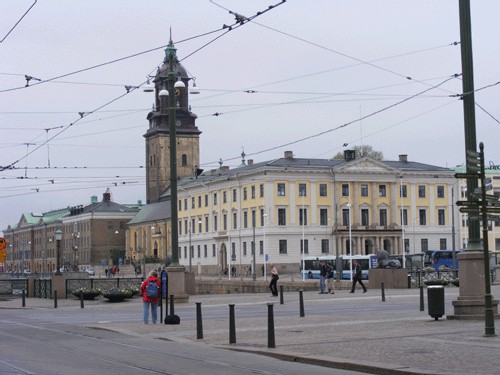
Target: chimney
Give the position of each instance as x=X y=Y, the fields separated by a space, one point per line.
x=250 y=162
x=288 y=154
x=403 y=158
x=349 y=155
x=106 y=197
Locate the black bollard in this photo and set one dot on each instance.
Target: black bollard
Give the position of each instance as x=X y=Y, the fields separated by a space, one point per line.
x=421 y=297
x=81 y=300
x=232 y=325
x=24 y=297
x=199 y=322
x=281 y=295
x=55 y=299
x=172 y=318
x=383 y=291
x=270 y=326
x=301 y=304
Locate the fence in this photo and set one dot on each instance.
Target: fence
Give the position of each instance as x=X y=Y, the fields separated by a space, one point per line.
x=13 y=287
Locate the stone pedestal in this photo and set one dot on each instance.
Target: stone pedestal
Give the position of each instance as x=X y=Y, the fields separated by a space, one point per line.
x=59 y=284
x=178 y=283
x=393 y=278
x=471 y=301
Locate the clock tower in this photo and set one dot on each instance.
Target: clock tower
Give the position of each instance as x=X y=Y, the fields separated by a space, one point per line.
x=158 y=135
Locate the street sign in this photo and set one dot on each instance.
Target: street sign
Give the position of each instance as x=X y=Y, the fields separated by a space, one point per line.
x=466 y=175
x=468 y=204
x=473 y=167
x=487 y=184
x=470 y=210
x=473 y=154
x=493 y=210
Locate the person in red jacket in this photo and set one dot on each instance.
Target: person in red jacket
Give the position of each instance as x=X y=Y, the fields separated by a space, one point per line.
x=149 y=297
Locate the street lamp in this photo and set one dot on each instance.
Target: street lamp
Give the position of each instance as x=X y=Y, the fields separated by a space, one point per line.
x=350 y=243
x=58 y=236
x=265 y=252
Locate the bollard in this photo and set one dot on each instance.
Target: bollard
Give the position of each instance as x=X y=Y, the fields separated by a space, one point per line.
x=421 y=297
x=81 y=300
x=270 y=326
x=301 y=303
x=199 y=322
x=383 y=291
x=281 y=295
x=24 y=297
x=55 y=299
x=232 y=326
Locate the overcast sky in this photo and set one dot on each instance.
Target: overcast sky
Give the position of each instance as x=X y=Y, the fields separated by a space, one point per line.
x=320 y=73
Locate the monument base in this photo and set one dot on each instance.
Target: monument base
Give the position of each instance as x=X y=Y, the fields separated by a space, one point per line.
x=178 y=283
x=393 y=278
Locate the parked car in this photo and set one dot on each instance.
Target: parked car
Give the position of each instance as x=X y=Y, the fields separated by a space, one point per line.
x=90 y=271
x=26 y=272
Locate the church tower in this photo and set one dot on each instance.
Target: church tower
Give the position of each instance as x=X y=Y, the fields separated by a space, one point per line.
x=158 y=135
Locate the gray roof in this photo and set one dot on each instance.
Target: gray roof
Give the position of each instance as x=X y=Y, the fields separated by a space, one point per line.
x=158 y=211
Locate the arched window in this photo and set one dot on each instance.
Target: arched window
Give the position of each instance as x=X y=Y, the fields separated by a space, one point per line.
x=184 y=160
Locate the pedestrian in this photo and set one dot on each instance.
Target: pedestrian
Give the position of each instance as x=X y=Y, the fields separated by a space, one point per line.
x=233 y=271
x=150 y=290
x=357 y=276
x=329 y=278
x=106 y=272
x=322 y=277
x=274 y=281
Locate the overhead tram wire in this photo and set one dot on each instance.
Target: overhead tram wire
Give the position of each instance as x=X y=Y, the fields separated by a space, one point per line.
x=17 y=23
x=347 y=123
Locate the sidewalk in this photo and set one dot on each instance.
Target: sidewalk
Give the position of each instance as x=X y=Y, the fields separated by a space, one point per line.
x=350 y=331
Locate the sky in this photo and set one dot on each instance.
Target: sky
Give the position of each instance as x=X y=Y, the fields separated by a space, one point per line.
x=312 y=77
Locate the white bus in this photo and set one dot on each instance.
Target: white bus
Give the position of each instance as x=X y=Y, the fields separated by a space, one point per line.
x=310 y=267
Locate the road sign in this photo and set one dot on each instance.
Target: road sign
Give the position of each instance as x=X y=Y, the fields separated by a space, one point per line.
x=473 y=154
x=493 y=210
x=470 y=210
x=3 y=243
x=468 y=203
x=487 y=184
x=492 y=198
x=466 y=175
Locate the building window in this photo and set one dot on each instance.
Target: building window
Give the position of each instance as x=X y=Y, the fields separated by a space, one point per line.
x=185 y=204
x=441 y=216
x=325 y=246
x=224 y=222
x=224 y=196
x=245 y=219
x=345 y=190
x=200 y=225
x=302 y=216
x=424 y=244
x=206 y=200
x=383 y=217
x=199 y=201
x=254 y=219
x=199 y=251
x=404 y=216
x=261 y=190
x=180 y=227
x=382 y=191
x=407 y=245
x=403 y=191
x=364 y=190
x=214 y=250
x=244 y=194
x=180 y=205
x=244 y=249
x=497 y=243
x=192 y=202
x=283 y=247
x=323 y=216
x=215 y=199
x=281 y=216
x=365 y=217
x=261 y=247
x=215 y=224
x=235 y=220
x=233 y=251
x=304 y=246
x=422 y=219
x=186 y=228
x=442 y=244
x=185 y=252
x=440 y=191
x=323 y=190
x=281 y=190
x=205 y=251
x=252 y=191
x=421 y=191
x=234 y=195
x=345 y=217
x=302 y=190
x=193 y=226
x=262 y=217
x=206 y=223
x=184 y=160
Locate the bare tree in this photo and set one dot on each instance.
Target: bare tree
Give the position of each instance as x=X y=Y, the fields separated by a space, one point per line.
x=362 y=151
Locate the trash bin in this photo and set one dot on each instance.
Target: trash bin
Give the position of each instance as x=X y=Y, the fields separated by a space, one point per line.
x=435 y=301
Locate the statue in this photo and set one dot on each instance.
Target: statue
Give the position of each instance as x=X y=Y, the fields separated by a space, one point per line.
x=384 y=260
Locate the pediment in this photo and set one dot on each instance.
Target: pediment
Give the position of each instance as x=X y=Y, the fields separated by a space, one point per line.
x=366 y=165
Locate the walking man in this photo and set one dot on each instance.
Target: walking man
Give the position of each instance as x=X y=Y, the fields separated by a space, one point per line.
x=356 y=276
x=322 y=276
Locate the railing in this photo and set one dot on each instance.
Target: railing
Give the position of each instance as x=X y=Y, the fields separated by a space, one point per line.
x=43 y=288
x=13 y=287
x=103 y=284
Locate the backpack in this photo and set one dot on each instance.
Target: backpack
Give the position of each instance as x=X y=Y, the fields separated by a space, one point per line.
x=152 y=290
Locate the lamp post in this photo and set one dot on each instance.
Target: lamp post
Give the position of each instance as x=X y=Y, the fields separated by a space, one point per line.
x=265 y=252
x=403 y=251
x=172 y=85
x=58 y=236
x=350 y=243
x=189 y=246
x=254 y=274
